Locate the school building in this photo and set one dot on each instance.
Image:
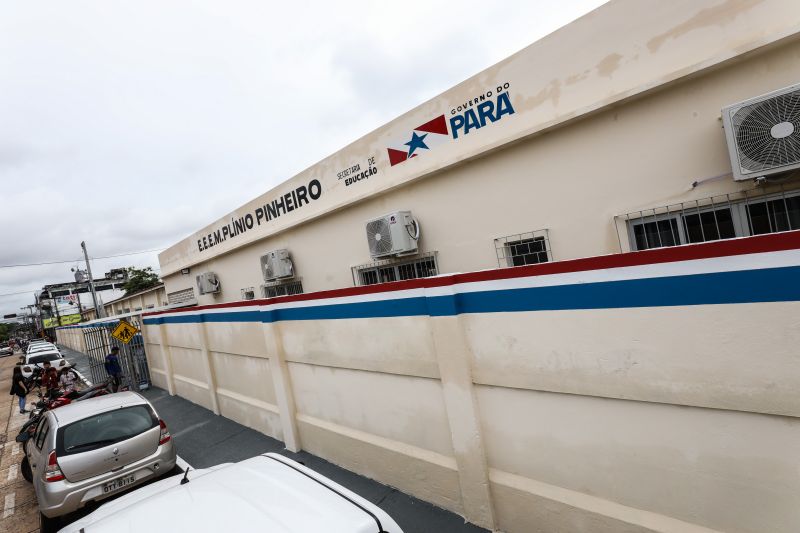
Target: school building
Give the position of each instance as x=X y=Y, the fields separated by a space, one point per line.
x=561 y=296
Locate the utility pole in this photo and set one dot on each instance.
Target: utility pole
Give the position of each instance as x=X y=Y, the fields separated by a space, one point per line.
x=39 y=310
x=55 y=306
x=91 y=280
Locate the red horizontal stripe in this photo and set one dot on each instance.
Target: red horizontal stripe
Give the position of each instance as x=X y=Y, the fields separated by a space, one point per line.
x=774 y=242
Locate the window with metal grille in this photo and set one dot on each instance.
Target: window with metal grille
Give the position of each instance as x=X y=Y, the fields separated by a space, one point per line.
x=523 y=249
x=180 y=297
x=711 y=219
x=396 y=270
x=282 y=288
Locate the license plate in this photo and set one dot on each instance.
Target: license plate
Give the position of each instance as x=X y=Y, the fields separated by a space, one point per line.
x=118 y=483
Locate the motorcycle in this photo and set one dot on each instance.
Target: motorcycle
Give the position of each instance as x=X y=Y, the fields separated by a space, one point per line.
x=60 y=399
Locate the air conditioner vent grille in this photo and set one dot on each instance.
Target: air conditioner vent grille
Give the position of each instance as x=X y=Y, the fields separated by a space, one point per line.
x=768 y=132
x=379 y=237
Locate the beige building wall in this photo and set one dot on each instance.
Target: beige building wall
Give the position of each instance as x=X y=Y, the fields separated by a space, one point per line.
x=572 y=181
x=584 y=420
x=606 y=122
x=665 y=418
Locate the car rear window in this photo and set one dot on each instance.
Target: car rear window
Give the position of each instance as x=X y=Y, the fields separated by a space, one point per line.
x=105 y=429
x=32 y=360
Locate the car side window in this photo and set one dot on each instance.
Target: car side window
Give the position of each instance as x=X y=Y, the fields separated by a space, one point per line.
x=38 y=429
x=44 y=429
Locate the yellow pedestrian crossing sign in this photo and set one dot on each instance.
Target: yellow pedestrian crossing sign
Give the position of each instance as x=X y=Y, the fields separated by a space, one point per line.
x=124 y=331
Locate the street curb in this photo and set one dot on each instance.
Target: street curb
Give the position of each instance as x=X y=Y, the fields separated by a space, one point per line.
x=85 y=381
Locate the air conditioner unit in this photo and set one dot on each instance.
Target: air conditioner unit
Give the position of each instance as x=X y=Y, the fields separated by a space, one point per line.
x=276 y=265
x=208 y=283
x=393 y=234
x=763 y=133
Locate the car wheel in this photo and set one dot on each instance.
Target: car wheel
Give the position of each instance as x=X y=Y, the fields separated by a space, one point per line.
x=48 y=525
x=25 y=468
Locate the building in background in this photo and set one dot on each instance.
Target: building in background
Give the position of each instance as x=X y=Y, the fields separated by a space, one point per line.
x=148 y=299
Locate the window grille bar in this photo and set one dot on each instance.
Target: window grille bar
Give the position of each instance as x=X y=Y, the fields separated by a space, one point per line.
x=712 y=218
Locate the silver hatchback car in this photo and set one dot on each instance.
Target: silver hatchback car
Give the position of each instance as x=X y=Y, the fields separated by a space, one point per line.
x=90 y=450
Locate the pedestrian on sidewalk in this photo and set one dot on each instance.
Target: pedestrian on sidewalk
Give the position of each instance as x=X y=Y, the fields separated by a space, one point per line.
x=49 y=378
x=18 y=387
x=113 y=369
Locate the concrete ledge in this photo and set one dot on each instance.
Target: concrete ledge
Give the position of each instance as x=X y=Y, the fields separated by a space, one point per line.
x=422 y=473
x=523 y=504
x=248 y=400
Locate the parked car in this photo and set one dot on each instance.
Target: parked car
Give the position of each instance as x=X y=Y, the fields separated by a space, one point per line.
x=38 y=358
x=268 y=492
x=42 y=347
x=5 y=351
x=90 y=450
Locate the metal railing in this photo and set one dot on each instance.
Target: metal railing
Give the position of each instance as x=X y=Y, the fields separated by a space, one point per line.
x=724 y=216
x=522 y=249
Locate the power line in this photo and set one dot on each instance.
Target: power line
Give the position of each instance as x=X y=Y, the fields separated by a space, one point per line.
x=81 y=259
x=15 y=293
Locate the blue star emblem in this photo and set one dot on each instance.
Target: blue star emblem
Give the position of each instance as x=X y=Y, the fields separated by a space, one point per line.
x=417 y=141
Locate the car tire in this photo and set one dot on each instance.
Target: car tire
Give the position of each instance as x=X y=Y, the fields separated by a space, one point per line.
x=49 y=525
x=25 y=469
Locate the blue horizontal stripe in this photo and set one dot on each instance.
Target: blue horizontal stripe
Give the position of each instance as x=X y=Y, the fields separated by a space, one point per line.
x=747 y=286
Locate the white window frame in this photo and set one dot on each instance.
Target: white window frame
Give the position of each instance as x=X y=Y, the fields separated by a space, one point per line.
x=739 y=217
x=282 y=285
x=502 y=247
x=395 y=264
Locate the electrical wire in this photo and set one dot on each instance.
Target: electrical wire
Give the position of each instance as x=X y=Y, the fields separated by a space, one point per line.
x=15 y=293
x=81 y=259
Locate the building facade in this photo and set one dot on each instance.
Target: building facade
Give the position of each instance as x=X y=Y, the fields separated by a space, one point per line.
x=152 y=298
x=619 y=354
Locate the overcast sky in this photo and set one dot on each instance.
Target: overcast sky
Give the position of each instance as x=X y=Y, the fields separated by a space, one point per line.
x=132 y=124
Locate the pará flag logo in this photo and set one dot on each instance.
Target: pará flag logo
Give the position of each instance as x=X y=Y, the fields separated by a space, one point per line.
x=421 y=139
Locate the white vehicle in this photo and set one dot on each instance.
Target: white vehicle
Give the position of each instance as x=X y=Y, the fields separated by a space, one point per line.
x=265 y=493
x=38 y=358
x=41 y=347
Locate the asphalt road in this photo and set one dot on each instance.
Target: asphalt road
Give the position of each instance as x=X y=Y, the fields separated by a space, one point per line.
x=205 y=439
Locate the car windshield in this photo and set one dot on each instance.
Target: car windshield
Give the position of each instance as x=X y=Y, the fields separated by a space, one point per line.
x=105 y=429
x=35 y=359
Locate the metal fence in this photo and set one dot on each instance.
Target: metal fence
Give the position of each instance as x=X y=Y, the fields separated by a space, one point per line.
x=132 y=358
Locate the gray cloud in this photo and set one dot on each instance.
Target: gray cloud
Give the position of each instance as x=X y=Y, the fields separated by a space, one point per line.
x=131 y=125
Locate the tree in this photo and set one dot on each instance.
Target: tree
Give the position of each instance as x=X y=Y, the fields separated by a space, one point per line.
x=7 y=330
x=140 y=279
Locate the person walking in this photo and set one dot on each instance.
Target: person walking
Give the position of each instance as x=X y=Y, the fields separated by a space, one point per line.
x=18 y=387
x=113 y=369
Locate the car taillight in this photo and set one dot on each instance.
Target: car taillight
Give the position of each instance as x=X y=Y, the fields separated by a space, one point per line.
x=26 y=369
x=165 y=436
x=61 y=363
x=52 y=472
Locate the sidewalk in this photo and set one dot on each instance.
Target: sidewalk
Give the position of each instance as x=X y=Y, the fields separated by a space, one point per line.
x=20 y=513
x=204 y=439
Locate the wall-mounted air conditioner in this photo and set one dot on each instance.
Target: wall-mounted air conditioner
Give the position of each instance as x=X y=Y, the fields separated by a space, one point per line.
x=277 y=265
x=208 y=283
x=763 y=133
x=393 y=234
